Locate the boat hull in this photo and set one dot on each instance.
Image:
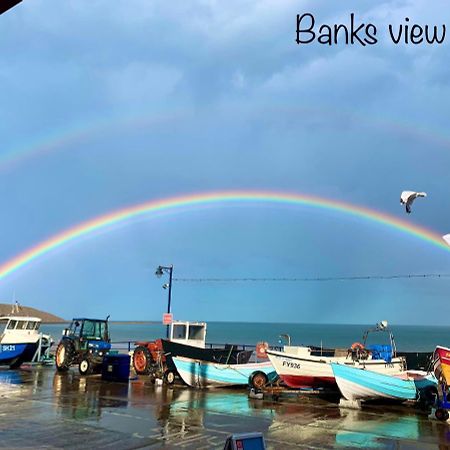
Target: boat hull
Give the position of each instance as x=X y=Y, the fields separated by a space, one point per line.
x=219 y=355
x=308 y=371
x=441 y=364
x=359 y=384
x=16 y=353
x=204 y=374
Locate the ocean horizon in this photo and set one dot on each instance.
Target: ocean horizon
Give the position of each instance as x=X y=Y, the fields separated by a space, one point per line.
x=421 y=338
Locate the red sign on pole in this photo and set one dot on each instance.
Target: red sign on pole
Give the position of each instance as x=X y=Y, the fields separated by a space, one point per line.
x=167 y=318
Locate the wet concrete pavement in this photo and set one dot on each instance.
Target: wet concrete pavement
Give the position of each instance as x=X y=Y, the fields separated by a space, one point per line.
x=40 y=408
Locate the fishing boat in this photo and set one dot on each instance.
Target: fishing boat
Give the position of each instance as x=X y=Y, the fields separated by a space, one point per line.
x=206 y=374
x=306 y=367
x=186 y=339
x=20 y=340
x=441 y=364
x=226 y=354
x=360 y=384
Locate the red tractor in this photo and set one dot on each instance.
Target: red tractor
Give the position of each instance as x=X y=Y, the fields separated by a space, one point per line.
x=149 y=359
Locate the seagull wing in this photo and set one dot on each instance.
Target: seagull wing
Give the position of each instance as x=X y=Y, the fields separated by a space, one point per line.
x=446 y=238
x=405 y=196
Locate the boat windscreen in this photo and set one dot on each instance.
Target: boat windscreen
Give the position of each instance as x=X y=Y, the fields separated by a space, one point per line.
x=21 y=325
x=196 y=332
x=179 y=331
x=3 y=324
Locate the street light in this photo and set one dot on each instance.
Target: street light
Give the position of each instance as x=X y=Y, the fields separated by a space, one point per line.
x=160 y=270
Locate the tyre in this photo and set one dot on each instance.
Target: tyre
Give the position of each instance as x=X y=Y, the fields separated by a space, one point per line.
x=169 y=377
x=65 y=353
x=142 y=359
x=85 y=367
x=258 y=380
x=441 y=414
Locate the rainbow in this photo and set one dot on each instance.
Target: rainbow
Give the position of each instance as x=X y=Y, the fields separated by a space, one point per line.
x=213 y=198
x=76 y=132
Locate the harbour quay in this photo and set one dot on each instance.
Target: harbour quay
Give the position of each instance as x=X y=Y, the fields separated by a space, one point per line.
x=41 y=408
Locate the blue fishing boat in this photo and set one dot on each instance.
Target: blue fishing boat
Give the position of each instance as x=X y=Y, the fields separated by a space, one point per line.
x=360 y=384
x=204 y=374
x=20 y=340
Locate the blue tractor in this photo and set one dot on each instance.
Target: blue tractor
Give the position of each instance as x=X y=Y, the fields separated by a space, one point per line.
x=85 y=343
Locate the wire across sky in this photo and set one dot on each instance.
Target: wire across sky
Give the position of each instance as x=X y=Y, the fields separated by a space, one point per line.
x=306 y=279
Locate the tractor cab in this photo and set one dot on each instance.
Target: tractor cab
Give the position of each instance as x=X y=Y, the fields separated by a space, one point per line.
x=87 y=330
x=84 y=342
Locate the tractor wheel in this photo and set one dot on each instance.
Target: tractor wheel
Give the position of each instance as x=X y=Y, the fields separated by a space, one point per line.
x=85 y=366
x=441 y=414
x=169 y=376
x=65 y=354
x=258 y=380
x=141 y=360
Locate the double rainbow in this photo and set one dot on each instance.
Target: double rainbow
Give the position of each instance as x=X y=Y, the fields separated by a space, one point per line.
x=214 y=198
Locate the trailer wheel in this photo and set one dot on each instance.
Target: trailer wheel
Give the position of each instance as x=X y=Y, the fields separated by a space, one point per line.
x=258 y=379
x=141 y=360
x=441 y=414
x=169 y=377
x=85 y=367
x=65 y=353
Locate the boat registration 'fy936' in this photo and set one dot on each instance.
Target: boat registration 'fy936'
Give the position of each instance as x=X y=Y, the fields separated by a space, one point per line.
x=291 y=365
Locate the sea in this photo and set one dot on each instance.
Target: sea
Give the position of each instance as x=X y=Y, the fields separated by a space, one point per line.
x=408 y=338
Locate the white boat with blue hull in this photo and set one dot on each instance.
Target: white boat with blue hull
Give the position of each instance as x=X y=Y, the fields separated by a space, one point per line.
x=204 y=374
x=358 y=384
x=20 y=340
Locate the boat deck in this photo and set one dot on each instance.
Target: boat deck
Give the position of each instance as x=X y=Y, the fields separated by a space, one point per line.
x=41 y=408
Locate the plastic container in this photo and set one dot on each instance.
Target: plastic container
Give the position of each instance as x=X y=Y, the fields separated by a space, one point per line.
x=116 y=368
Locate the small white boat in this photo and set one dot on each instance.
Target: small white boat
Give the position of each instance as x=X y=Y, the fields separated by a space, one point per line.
x=20 y=340
x=359 y=384
x=303 y=367
x=205 y=374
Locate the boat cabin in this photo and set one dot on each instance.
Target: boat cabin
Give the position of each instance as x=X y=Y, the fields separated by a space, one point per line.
x=188 y=333
x=18 y=328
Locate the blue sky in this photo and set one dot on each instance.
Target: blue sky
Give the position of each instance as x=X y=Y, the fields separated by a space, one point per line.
x=202 y=96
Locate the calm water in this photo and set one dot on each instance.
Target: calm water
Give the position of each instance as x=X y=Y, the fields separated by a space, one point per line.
x=408 y=338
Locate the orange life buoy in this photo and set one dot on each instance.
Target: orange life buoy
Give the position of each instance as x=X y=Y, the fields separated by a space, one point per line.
x=261 y=348
x=357 y=346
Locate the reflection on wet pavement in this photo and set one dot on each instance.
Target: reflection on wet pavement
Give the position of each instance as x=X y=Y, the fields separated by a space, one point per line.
x=42 y=408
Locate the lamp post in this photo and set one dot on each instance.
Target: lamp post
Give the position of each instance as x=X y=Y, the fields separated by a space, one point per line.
x=159 y=273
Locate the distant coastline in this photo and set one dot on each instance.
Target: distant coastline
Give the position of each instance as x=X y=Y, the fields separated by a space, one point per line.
x=7 y=309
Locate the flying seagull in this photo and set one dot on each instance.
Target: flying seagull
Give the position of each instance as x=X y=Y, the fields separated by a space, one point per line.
x=446 y=238
x=7 y=4
x=407 y=198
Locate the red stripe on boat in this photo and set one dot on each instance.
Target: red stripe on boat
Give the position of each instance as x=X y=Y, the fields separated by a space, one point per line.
x=295 y=381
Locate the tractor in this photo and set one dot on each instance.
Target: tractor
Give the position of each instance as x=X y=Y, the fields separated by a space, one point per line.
x=85 y=343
